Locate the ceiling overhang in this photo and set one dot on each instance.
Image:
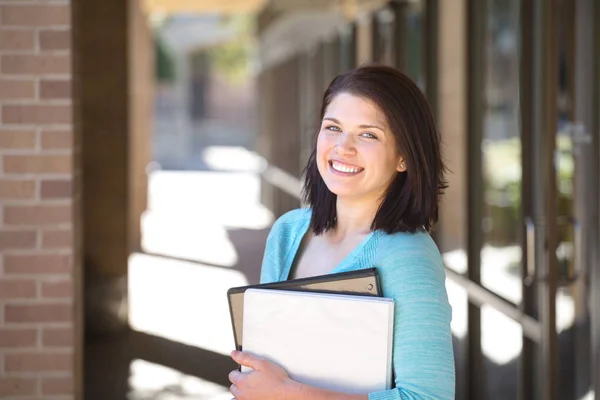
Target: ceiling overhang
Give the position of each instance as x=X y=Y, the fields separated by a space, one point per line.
x=204 y=6
x=349 y=8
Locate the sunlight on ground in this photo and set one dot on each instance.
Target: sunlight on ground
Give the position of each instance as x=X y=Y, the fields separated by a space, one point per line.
x=501 y=337
x=178 y=284
x=589 y=396
x=227 y=158
x=182 y=301
x=189 y=214
x=156 y=382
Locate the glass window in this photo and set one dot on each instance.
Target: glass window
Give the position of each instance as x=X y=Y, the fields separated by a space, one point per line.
x=501 y=266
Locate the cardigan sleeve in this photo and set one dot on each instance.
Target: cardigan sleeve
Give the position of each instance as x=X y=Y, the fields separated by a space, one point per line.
x=269 y=271
x=286 y=230
x=423 y=359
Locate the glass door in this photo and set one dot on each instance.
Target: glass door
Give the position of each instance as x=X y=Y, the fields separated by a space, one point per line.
x=532 y=200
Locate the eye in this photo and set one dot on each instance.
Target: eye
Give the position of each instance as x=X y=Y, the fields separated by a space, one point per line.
x=368 y=135
x=333 y=128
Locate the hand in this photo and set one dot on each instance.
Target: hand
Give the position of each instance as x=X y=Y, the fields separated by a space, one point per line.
x=268 y=381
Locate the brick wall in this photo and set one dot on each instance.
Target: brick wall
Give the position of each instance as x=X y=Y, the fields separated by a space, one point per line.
x=36 y=202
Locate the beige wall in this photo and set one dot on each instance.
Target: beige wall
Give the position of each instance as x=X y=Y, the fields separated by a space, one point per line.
x=37 y=270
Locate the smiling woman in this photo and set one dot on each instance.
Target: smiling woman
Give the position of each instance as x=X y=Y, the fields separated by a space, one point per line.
x=387 y=123
x=372 y=184
x=356 y=155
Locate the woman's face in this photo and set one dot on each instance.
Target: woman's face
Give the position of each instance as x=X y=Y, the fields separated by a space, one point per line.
x=356 y=151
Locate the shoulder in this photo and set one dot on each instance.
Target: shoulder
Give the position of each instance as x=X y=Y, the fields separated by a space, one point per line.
x=291 y=223
x=402 y=249
x=293 y=218
x=285 y=233
x=409 y=262
x=412 y=273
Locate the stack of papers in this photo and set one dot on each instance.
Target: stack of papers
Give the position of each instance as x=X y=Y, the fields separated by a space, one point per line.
x=339 y=341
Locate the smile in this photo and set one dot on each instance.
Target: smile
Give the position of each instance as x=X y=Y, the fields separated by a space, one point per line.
x=345 y=169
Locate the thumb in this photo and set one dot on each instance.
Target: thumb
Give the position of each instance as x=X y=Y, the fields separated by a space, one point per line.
x=247 y=360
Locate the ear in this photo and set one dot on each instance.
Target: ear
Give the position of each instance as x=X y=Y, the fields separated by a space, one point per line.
x=401 y=165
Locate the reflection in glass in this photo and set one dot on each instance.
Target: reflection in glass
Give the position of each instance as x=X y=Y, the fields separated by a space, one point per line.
x=501 y=158
x=501 y=344
x=501 y=255
x=414 y=19
x=384 y=52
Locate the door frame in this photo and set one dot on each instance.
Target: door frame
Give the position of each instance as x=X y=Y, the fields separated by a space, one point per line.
x=537 y=313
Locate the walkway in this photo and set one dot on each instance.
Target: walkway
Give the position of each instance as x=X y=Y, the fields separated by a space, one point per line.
x=204 y=233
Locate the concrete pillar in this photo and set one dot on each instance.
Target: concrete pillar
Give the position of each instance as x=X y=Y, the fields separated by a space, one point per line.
x=141 y=115
x=113 y=45
x=364 y=39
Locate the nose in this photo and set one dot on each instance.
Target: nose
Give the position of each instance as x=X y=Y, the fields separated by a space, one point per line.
x=346 y=145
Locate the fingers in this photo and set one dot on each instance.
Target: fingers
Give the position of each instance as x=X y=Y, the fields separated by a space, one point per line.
x=234 y=391
x=247 y=360
x=236 y=377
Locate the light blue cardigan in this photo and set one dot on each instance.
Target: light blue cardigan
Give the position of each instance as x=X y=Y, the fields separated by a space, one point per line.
x=411 y=272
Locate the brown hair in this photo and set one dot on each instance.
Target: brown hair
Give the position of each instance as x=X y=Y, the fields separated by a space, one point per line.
x=411 y=201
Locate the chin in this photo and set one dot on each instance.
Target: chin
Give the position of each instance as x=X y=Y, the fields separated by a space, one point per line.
x=341 y=190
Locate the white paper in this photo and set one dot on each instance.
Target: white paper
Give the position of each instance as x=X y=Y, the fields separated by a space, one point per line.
x=337 y=342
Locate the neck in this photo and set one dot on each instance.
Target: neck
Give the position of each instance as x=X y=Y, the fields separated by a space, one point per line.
x=354 y=218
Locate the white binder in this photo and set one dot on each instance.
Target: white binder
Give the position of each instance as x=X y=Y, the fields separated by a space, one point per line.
x=331 y=341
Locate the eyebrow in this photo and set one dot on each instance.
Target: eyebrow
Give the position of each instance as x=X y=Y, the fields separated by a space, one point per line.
x=360 y=126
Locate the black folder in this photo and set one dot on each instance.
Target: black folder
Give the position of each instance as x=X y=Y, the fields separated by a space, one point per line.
x=364 y=282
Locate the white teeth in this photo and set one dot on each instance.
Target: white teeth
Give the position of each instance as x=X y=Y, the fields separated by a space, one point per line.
x=343 y=168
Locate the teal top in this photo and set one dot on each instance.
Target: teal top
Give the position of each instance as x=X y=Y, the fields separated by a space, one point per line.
x=411 y=272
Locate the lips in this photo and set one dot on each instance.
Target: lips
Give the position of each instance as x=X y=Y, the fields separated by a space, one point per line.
x=344 y=168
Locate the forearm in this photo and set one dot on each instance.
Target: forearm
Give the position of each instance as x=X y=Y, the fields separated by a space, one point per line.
x=299 y=391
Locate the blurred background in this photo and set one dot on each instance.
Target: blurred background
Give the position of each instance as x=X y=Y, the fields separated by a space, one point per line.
x=146 y=147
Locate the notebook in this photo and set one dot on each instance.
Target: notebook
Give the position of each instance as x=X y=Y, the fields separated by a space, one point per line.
x=332 y=341
x=362 y=282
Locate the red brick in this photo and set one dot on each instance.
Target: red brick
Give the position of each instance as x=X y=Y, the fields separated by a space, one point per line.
x=17 y=289
x=56 y=139
x=57 y=337
x=16 y=139
x=11 y=89
x=55 y=89
x=37 y=263
x=16 y=189
x=56 y=189
x=57 y=239
x=62 y=289
x=17 y=338
x=36 y=64
x=37 y=215
x=17 y=240
x=36 y=362
x=38 y=313
x=17 y=40
x=13 y=387
x=55 y=40
x=36 y=114
x=34 y=15
x=35 y=164
x=57 y=386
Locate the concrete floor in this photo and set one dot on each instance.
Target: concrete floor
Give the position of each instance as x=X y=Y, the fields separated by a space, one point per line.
x=204 y=232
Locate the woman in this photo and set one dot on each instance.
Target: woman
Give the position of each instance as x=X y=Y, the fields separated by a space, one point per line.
x=373 y=183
